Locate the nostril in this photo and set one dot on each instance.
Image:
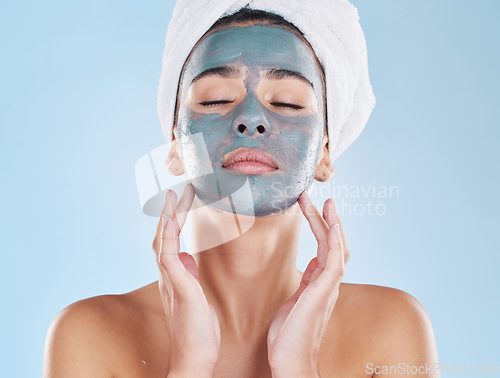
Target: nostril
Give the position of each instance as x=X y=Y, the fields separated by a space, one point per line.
x=241 y=128
x=261 y=129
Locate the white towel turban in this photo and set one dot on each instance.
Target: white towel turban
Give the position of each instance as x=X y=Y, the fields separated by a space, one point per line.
x=331 y=27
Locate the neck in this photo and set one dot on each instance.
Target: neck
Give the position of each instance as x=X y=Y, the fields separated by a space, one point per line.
x=247 y=266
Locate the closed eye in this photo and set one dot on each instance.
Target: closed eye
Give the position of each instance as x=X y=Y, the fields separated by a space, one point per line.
x=222 y=102
x=215 y=103
x=286 y=105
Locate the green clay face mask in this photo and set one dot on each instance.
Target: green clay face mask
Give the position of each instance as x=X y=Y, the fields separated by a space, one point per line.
x=247 y=107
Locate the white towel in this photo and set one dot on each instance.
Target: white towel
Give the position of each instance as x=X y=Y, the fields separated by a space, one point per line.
x=331 y=27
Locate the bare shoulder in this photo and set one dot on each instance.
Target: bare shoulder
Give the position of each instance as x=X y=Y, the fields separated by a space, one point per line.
x=393 y=325
x=89 y=338
x=81 y=338
x=381 y=299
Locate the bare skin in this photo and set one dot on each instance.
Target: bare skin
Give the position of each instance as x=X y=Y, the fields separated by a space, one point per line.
x=124 y=336
x=127 y=335
x=247 y=280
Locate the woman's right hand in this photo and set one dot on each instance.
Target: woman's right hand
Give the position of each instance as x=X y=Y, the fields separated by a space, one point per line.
x=194 y=330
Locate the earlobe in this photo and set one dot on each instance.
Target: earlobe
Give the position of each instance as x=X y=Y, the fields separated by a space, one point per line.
x=174 y=161
x=324 y=169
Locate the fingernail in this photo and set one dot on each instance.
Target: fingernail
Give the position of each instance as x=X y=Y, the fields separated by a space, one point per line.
x=164 y=220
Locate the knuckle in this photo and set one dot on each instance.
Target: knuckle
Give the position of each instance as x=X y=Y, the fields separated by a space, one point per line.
x=170 y=234
x=342 y=271
x=347 y=255
x=334 y=290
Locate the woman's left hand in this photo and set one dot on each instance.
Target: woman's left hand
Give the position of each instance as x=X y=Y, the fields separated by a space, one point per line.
x=297 y=330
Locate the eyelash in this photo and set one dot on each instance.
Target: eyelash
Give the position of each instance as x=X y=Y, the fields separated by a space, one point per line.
x=291 y=106
x=222 y=102
x=214 y=103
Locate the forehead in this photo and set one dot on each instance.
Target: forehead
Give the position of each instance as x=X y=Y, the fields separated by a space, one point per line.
x=258 y=47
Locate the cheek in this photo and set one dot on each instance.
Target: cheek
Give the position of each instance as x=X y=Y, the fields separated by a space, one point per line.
x=311 y=138
x=200 y=136
x=302 y=138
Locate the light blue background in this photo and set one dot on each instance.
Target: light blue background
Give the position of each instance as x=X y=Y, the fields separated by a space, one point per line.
x=78 y=108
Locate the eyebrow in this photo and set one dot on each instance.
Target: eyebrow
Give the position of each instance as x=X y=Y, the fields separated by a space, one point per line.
x=230 y=72
x=279 y=73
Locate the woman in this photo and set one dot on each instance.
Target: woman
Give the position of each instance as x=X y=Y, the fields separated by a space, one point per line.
x=251 y=111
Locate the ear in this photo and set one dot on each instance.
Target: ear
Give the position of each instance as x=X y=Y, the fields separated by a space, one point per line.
x=324 y=169
x=174 y=161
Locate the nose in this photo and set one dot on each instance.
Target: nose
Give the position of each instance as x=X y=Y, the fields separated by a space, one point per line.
x=251 y=119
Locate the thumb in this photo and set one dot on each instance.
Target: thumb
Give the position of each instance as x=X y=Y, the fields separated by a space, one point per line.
x=307 y=277
x=190 y=265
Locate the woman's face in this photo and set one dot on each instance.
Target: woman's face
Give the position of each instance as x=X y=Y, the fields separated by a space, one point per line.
x=246 y=89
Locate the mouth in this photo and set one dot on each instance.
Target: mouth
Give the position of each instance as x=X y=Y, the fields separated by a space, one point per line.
x=249 y=161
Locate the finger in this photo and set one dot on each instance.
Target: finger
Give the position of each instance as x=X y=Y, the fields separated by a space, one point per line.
x=160 y=226
x=306 y=277
x=182 y=209
x=327 y=280
x=190 y=264
x=335 y=264
x=323 y=251
x=169 y=249
x=286 y=307
x=184 y=204
x=331 y=217
x=316 y=222
x=326 y=211
x=165 y=288
x=316 y=273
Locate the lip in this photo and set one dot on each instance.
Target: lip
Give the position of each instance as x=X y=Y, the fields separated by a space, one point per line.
x=249 y=161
